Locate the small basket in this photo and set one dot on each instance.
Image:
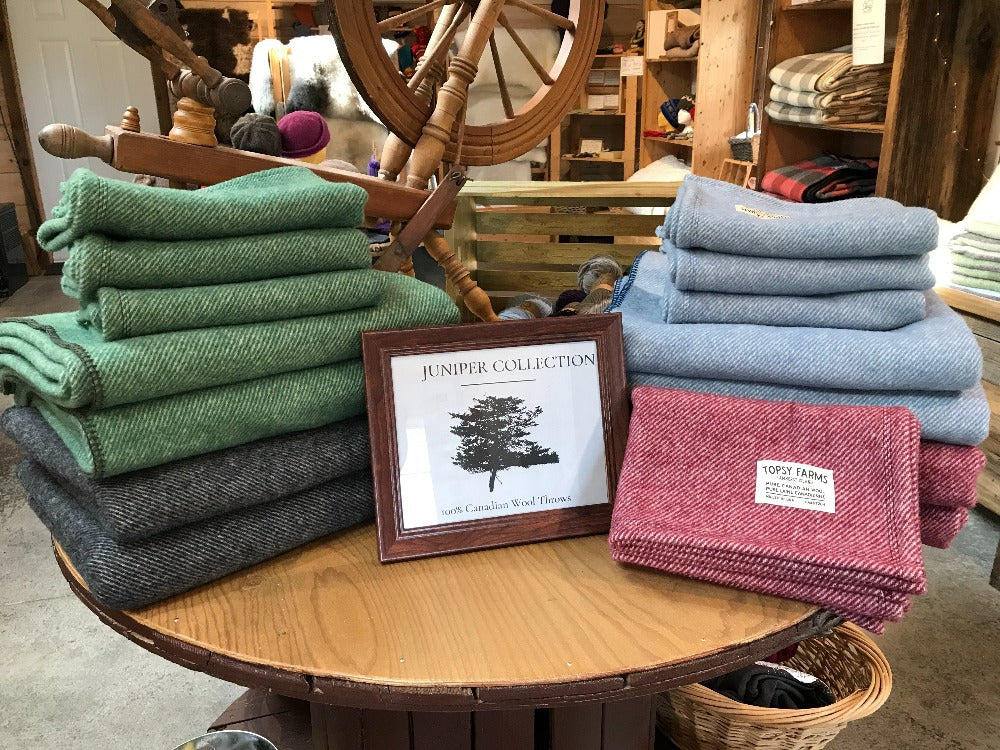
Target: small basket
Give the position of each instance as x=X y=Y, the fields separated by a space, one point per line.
x=745 y=149
x=696 y=718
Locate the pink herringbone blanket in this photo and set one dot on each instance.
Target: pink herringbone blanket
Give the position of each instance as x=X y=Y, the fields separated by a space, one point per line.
x=948 y=474
x=940 y=525
x=818 y=503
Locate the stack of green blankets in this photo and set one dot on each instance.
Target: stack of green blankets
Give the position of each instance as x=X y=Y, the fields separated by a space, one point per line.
x=208 y=319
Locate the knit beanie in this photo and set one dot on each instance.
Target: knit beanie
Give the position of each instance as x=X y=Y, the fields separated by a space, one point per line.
x=303 y=133
x=257 y=133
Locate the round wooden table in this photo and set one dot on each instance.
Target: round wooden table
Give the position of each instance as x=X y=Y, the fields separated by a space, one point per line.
x=466 y=652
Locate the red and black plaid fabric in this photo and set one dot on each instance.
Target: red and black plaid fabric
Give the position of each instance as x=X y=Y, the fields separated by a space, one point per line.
x=827 y=177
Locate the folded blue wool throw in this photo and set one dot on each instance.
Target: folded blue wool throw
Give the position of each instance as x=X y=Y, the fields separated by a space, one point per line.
x=961 y=418
x=706 y=271
x=274 y=200
x=938 y=353
x=128 y=575
x=726 y=218
x=97 y=261
x=74 y=367
x=870 y=311
x=138 y=505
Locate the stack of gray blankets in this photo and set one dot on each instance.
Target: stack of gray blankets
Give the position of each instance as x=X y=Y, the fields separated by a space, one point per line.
x=823 y=88
x=769 y=270
x=975 y=252
x=204 y=410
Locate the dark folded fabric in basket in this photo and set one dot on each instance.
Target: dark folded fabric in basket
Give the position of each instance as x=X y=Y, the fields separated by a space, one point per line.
x=139 y=505
x=131 y=575
x=772 y=686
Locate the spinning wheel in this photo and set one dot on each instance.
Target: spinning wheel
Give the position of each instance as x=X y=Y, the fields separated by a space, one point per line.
x=405 y=107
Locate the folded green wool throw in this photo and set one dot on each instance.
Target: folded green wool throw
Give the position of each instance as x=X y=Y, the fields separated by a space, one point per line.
x=73 y=367
x=112 y=441
x=96 y=260
x=992 y=285
x=274 y=200
x=124 y=313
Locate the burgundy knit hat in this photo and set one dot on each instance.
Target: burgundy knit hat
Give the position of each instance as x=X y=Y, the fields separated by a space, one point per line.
x=302 y=133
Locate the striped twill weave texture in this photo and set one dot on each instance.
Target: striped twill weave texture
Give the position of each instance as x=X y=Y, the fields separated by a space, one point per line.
x=706 y=271
x=686 y=499
x=939 y=525
x=948 y=474
x=275 y=200
x=131 y=575
x=74 y=367
x=97 y=261
x=726 y=218
x=126 y=313
x=141 y=504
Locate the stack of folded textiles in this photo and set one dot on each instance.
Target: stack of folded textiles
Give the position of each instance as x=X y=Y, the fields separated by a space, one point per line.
x=823 y=88
x=826 y=177
x=975 y=252
x=817 y=503
x=209 y=319
x=809 y=304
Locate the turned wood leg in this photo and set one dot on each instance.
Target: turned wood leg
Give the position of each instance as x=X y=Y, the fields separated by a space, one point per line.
x=475 y=298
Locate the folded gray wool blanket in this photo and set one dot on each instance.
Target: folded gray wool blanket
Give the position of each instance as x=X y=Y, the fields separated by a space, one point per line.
x=705 y=271
x=869 y=311
x=968 y=243
x=139 y=505
x=960 y=418
x=718 y=216
x=129 y=575
x=938 y=353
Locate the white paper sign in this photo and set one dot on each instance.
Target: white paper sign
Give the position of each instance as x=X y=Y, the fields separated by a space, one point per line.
x=795 y=486
x=868 y=36
x=631 y=66
x=498 y=432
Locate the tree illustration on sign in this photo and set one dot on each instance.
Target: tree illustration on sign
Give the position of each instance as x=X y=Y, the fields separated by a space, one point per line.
x=494 y=435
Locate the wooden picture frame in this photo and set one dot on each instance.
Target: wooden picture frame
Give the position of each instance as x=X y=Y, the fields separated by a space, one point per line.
x=439 y=400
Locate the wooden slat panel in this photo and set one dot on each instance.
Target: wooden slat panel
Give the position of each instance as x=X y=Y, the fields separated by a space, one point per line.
x=629 y=725
x=566 y=253
x=437 y=731
x=525 y=281
x=576 y=727
x=988 y=486
x=572 y=193
x=343 y=728
x=988 y=337
x=589 y=225
x=387 y=730
x=971 y=303
x=504 y=730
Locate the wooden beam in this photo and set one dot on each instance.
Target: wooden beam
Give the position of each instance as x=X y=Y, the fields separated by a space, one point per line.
x=37 y=260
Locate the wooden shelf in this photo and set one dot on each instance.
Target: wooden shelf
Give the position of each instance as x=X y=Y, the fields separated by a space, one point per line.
x=674 y=60
x=860 y=127
x=831 y=5
x=975 y=304
x=685 y=143
x=597 y=113
x=593 y=158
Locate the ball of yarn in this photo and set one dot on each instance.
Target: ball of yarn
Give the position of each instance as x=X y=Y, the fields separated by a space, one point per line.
x=257 y=133
x=596 y=268
x=526 y=307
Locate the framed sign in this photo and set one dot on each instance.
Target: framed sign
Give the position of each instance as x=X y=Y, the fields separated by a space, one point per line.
x=493 y=434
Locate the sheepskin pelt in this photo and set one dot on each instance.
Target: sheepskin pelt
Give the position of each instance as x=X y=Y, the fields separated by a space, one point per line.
x=222 y=36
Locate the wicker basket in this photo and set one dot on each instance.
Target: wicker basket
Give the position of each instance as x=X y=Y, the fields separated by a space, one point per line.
x=696 y=718
x=745 y=149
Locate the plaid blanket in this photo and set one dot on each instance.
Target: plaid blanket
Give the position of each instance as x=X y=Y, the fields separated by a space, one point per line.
x=812 y=116
x=865 y=95
x=823 y=178
x=821 y=71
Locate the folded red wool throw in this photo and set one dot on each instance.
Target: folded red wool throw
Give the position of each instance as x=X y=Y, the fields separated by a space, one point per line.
x=948 y=475
x=939 y=525
x=817 y=503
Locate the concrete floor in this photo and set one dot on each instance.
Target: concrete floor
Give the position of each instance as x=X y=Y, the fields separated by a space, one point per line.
x=68 y=680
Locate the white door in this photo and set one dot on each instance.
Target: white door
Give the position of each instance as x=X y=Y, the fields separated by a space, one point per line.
x=73 y=70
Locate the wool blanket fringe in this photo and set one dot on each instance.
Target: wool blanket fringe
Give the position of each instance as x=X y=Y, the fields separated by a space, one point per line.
x=73 y=367
x=138 y=505
x=127 y=313
x=129 y=575
x=274 y=200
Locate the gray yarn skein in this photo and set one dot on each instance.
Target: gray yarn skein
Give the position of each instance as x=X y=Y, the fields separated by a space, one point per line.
x=526 y=307
x=595 y=269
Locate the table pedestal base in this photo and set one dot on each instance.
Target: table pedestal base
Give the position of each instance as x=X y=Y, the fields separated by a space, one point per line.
x=297 y=725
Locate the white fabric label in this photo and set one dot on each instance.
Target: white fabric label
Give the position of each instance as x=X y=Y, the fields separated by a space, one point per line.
x=795 y=486
x=868 y=37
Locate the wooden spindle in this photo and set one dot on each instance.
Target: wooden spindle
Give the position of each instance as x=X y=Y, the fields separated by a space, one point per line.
x=130 y=120
x=68 y=142
x=475 y=298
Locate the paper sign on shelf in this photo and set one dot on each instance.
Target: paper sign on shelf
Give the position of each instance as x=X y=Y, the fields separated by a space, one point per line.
x=631 y=66
x=868 y=35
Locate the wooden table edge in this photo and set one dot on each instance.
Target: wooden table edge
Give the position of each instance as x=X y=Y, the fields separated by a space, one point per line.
x=365 y=695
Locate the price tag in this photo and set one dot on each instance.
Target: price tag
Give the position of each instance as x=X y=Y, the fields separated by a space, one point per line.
x=868 y=36
x=631 y=66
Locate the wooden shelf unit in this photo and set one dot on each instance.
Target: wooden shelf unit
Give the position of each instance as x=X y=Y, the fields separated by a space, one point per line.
x=722 y=73
x=945 y=52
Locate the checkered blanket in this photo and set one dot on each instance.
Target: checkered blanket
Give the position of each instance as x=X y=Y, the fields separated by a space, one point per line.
x=842 y=98
x=821 y=71
x=824 y=178
x=811 y=116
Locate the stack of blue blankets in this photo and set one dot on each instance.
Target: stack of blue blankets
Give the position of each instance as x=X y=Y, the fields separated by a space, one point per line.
x=755 y=297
